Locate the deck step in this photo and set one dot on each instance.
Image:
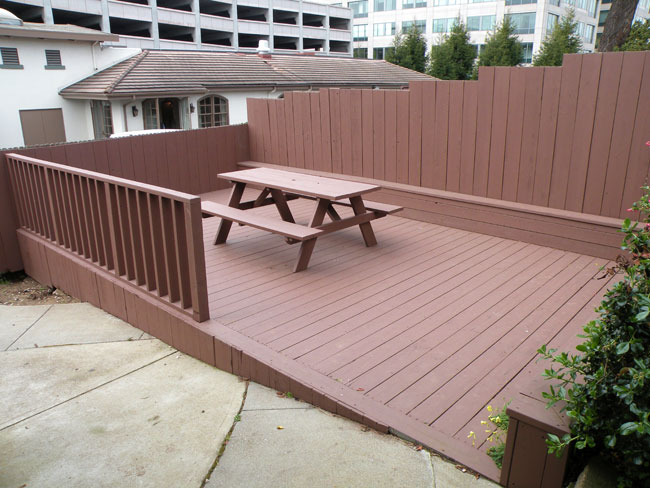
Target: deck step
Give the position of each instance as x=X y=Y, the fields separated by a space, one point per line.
x=287 y=229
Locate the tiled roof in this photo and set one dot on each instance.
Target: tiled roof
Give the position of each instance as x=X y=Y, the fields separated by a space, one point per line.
x=184 y=72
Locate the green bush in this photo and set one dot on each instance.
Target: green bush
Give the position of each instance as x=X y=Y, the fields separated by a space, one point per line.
x=607 y=386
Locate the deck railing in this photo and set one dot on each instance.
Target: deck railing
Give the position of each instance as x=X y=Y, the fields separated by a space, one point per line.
x=149 y=236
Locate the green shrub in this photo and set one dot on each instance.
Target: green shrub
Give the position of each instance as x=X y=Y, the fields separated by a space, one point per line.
x=607 y=386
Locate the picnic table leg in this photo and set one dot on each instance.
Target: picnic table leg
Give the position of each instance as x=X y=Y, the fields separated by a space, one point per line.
x=307 y=247
x=225 y=225
x=366 y=228
x=281 y=204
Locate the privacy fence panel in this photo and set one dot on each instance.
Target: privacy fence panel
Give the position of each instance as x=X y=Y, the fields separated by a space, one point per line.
x=570 y=137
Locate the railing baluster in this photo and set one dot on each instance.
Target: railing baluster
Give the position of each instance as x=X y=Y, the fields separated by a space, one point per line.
x=125 y=232
x=182 y=264
x=54 y=210
x=104 y=224
x=196 y=257
x=170 y=249
x=30 y=198
x=67 y=205
x=90 y=219
x=136 y=244
x=83 y=217
x=43 y=194
x=17 y=193
x=159 y=256
x=144 y=220
x=77 y=216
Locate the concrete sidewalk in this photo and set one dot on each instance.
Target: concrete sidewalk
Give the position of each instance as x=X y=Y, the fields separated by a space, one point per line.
x=88 y=400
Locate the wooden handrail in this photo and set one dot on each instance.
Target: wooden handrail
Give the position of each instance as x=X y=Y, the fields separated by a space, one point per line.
x=148 y=236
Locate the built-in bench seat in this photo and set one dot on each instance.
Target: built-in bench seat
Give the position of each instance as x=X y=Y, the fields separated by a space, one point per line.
x=287 y=229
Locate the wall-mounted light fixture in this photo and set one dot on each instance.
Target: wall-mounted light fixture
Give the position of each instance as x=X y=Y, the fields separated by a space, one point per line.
x=134 y=111
x=192 y=108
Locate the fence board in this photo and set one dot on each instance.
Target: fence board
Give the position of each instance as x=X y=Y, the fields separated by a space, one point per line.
x=402 y=142
x=483 y=130
x=516 y=103
x=325 y=129
x=314 y=102
x=335 y=128
x=468 y=138
x=454 y=143
x=356 y=125
x=367 y=120
x=378 y=151
x=588 y=93
x=498 y=137
x=546 y=142
x=415 y=133
x=390 y=131
x=290 y=131
x=602 y=132
x=346 y=131
x=530 y=134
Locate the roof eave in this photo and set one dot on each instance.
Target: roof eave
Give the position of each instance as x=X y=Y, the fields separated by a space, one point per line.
x=17 y=31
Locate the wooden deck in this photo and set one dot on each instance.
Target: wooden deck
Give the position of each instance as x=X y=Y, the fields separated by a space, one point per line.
x=433 y=323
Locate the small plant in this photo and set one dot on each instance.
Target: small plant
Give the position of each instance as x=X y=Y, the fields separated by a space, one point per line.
x=237 y=418
x=498 y=422
x=607 y=386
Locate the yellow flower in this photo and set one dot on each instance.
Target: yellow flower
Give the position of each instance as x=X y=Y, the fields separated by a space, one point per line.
x=489 y=408
x=484 y=422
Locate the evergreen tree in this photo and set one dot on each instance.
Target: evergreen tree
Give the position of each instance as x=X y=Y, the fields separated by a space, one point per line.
x=453 y=58
x=409 y=50
x=502 y=47
x=562 y=39
x=639 y=38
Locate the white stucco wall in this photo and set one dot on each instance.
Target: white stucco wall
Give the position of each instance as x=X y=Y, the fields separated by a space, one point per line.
x=35 y=87
x=236 y=109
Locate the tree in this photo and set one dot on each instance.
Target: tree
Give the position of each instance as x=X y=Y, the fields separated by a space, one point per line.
x=502 y=47
x=409 y=50
x=563 y=39
x=639 y=38
x=453 y=58
x=618 y=24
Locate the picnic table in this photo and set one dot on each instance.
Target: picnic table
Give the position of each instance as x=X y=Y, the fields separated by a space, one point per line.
x=278 y=187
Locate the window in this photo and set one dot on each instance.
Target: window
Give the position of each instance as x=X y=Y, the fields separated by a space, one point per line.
x=102 y=118
x=519 y=2
x=528 y=52
x=359 y=9
x=414 y=3
x=53 y=59
x=384 y=5
x=480 y=1
x=481 y=22
x=10 y=58
x=551 y=22
x=443 y=25
x=554 y=2
x=586 y=32
x=150 y=113
x=213 y=111
x=384 y=29
x=602 y=17
x=588 y=5
x=524 y=23
x=421 y=25
x=360 y=52
x=479 y=48
x=380 y=52
x=360 y=32
x=442 y=3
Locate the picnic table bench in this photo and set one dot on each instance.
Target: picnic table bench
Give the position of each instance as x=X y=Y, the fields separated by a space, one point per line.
x=277 y=188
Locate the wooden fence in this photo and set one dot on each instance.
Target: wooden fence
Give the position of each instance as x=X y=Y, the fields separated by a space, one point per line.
x=569 y=137
x=185 y=161
x=146 y=235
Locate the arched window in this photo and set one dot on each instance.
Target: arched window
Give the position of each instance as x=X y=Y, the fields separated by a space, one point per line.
x=213 y=111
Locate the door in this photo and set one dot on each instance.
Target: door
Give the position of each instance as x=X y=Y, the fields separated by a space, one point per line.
x=43 y=126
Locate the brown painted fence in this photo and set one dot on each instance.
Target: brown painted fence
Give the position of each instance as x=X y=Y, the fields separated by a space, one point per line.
x=569 y=137
x=185 y=161
x=147 y=235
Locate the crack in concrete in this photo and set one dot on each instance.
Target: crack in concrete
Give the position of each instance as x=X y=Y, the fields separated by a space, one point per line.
x=87 y=391
x=224 y=444
x=28 y=328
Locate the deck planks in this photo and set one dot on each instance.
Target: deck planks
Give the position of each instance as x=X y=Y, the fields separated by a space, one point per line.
x=419 y=324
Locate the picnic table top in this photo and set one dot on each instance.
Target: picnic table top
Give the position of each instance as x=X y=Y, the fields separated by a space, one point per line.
x=308 y=185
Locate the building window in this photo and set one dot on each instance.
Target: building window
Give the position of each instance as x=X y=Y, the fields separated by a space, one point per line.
x=380 y=52
x=551 y=22
x=528 y=52
x=360 y=52
x=554 y=2
x=414 y=3
x=421 y=26
x=359 y=9
x=519 y=2
x=102 y=118
x=150 y=113
x=213 y=111
x=481 y=22
x=443 y=25
x=53 y=59
x=443 y=3
x=384 y=29
x=524 y=23
x=384 y=5
x=480 y=1
x=10 y=58
x=602 y=17
x=586 y=32
x=360 y=32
